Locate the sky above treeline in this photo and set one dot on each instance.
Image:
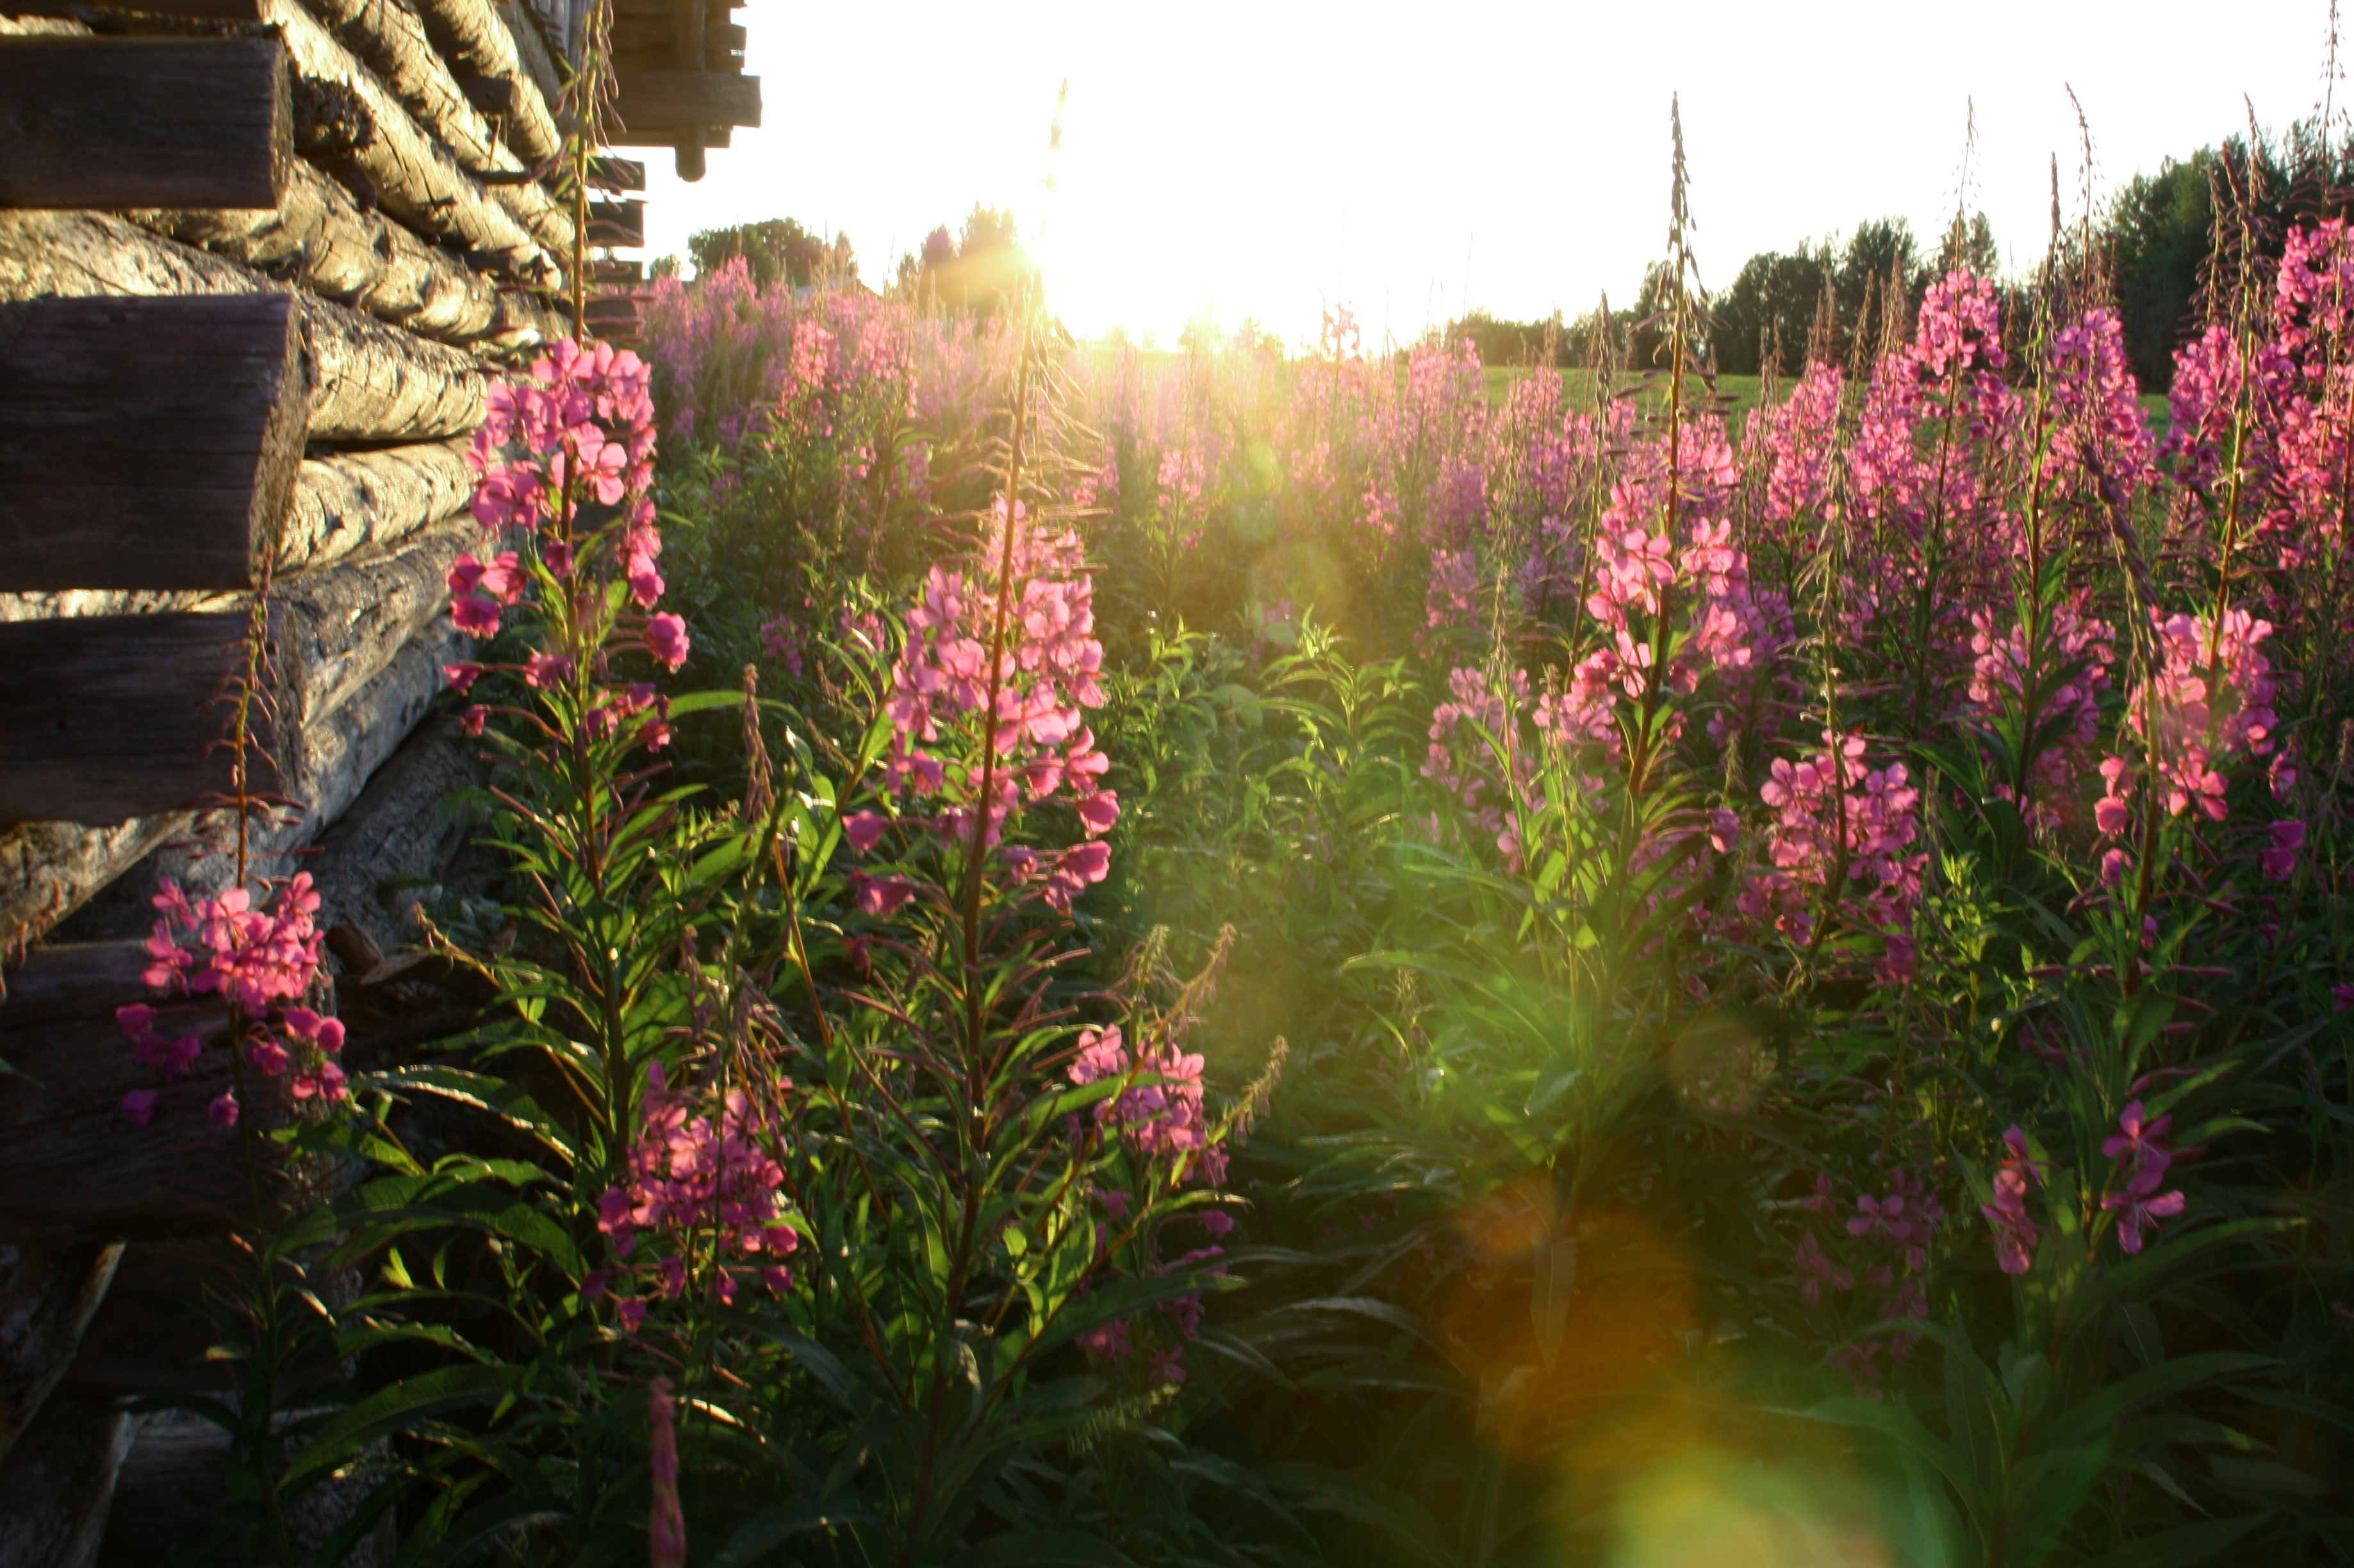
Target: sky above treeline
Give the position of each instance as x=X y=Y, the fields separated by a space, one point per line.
x=1264 y=161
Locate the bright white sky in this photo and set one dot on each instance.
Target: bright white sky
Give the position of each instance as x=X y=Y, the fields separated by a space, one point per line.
x=1264 y=159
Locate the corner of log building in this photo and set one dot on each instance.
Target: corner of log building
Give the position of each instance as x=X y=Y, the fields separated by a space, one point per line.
x=260 y=261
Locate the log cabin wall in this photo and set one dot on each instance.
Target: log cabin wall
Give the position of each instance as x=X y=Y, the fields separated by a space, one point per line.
x=260 y=260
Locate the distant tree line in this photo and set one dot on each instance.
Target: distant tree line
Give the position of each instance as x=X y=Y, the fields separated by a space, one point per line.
x=2150 y=253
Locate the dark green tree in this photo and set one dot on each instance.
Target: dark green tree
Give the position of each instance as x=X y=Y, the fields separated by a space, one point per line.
x=777 y=249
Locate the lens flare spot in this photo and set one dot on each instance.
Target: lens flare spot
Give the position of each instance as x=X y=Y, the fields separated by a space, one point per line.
x=1706 y=1509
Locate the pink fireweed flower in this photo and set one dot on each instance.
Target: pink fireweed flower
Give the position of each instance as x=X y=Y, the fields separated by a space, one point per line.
x=881 y=896
x=2015 y=1233
x=462 y=677
x=2140 y=1206
x=666 y=639
x=1163 y=1120
x=2208 y=705
x=139 y=1106
x=2079 y=649
x=1816 y=1270
x=2279 y=857
x=223 y=1110
x=864 y=829
x=702 y=1189
x=2137 y=1136
x=542 y=672
x=1879 y=882
x=1074 y=869
x=252 y=957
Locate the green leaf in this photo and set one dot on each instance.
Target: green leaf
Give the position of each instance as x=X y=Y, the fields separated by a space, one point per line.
x=397 y=1408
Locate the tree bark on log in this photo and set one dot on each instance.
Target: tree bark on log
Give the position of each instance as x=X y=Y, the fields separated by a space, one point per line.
x=321 y=239
x=343 y=502
x=415 y=177
x=367 y=381
x=55 y=1488
x=392 y=40
x=48 y=1295
x=474 y=37
x=333 y=630
x=349 y=501
x=48 y=869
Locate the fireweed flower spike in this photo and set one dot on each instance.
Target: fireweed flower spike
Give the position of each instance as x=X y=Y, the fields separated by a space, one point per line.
x=2015 y=1233
x=703 y=1190
x=256 y=961
x=666 y=1524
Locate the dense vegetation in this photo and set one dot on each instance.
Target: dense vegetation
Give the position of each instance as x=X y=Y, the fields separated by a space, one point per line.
x=1221 y=959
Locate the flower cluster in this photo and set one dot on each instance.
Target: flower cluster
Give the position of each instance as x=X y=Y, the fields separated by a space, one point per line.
x=2015 y=1234
x=1842 y=829
x=565 y=459
x=258 y=961
x=2207 y=705
x=1038 y=744
x=1163 y=1119
x=2142 y=1162
x=1883 y=1243
x=695 y=1180
x=2063 y=676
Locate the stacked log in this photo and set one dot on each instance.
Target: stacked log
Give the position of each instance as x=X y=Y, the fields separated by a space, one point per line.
x=260 y=264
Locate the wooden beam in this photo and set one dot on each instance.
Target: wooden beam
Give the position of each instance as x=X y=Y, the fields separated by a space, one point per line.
x=320 y=238
x=633 y=35
x=48 y=869
x=192 y=10
x=145 y=443
x=667 y=100
x=621 y=223
x=112 y=122
x=47 y=1297
x=612 y=273
x=610 y=173
x=57 y=1485
x=107 y=717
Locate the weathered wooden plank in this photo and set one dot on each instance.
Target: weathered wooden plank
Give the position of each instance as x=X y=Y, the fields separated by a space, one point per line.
x=57 y=1483
x=611 y=273
x=610 y=173
x=647 y=100
x=48 y=1295
x=145 y=443
x=104 y=719
x=108 y=123
x=618 y=223
x=632 y=33
x=78 y=1167
x=193 y=10
x=108 y=718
